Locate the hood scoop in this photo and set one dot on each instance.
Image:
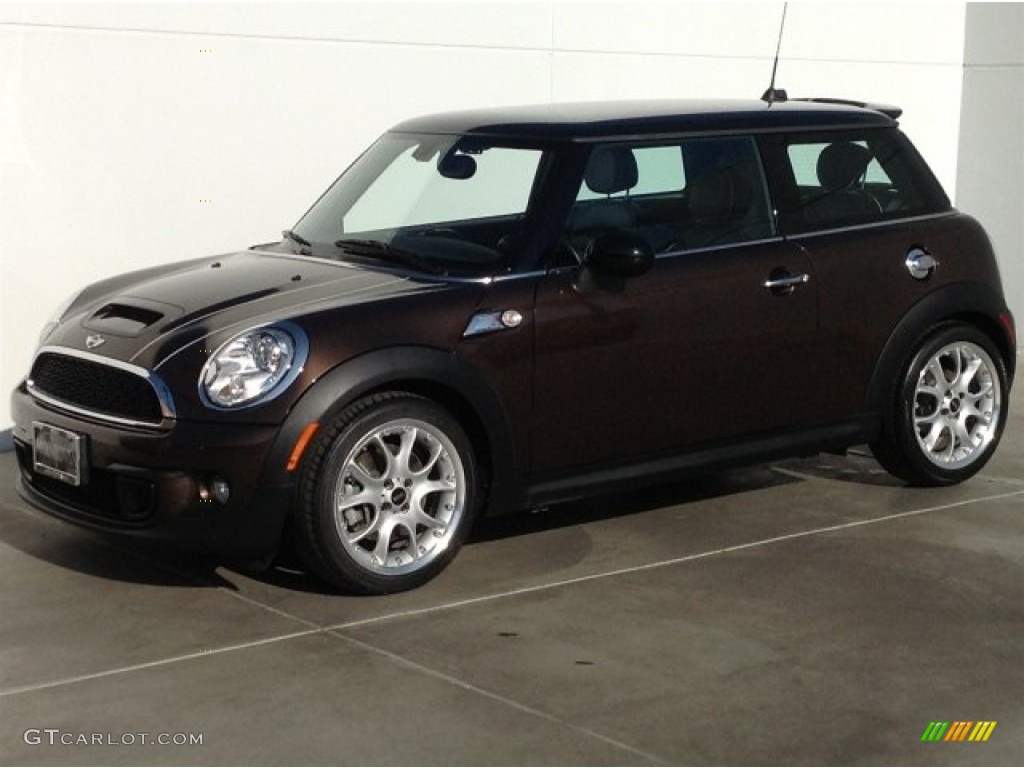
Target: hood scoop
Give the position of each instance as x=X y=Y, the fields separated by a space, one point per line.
x=129 y=316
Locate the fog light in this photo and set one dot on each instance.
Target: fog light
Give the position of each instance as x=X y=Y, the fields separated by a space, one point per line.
x=215 y=489
x=220 y=489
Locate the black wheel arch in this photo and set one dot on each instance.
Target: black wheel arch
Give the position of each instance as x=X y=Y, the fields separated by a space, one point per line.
x=432 y=373
x=971 y=303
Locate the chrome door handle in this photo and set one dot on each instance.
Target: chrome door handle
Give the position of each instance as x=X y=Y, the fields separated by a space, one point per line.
x=920 y=264
x=789 y=281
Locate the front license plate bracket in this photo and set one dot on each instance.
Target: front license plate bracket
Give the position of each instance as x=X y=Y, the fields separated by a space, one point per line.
x=59 y=453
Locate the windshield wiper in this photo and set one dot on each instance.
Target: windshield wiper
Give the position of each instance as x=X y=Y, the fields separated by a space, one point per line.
x=299 y=240
x=385 y=252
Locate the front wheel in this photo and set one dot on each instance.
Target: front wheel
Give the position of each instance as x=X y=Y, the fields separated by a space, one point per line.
x=388 y=495
x=949 y=410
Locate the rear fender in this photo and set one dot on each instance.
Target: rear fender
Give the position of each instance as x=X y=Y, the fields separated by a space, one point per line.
x=971 y=303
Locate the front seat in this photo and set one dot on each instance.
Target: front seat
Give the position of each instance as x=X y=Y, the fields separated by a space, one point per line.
x=840 y=167
x=609 y=171
x=717 y=203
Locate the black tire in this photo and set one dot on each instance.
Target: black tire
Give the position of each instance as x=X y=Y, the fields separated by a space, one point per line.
x=962 y=415
x=406 y=516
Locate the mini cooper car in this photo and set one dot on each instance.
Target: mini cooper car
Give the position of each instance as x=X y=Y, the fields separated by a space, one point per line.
x=496 y=310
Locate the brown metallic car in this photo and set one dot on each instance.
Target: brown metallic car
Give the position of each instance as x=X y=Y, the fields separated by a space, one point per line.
x=500 y=309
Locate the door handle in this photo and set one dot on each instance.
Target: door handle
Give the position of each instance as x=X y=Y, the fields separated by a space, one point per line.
x=782 y=283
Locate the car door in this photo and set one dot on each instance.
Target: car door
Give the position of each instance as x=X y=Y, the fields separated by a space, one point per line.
x=714 y=342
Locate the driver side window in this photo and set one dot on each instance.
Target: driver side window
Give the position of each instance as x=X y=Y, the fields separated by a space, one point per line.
x=688 y=194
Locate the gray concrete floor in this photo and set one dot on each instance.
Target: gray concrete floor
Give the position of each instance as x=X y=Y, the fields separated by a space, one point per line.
x=806 y=612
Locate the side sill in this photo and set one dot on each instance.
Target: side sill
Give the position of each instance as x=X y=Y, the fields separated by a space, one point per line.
x=588 y=481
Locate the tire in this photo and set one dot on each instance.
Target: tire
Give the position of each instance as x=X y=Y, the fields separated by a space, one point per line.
x=387 y=496
x=947 y=413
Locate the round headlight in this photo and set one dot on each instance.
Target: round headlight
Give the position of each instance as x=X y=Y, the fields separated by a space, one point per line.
x=251 y=367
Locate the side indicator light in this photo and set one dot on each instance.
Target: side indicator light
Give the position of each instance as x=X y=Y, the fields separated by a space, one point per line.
x=300 y=445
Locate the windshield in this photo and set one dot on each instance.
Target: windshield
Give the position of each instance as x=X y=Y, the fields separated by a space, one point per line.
x=437 y=203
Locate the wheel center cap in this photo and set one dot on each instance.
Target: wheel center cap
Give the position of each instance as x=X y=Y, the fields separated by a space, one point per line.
x=399 y=496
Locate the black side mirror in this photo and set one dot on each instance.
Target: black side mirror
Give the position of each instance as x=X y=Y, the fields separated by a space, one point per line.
x=619 y=254
x=612 y=257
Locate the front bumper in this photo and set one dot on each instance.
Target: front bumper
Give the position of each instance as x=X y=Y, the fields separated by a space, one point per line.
x=150 y=483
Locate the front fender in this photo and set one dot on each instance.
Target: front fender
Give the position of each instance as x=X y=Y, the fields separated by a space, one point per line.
x=427 y=371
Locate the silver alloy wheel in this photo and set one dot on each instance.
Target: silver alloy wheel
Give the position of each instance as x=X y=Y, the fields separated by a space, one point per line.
x=399 y=497
x=957 y=405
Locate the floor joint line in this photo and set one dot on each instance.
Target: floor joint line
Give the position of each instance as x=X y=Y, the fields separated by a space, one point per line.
x=664 y=563
x=337 y=629
x=467 y=686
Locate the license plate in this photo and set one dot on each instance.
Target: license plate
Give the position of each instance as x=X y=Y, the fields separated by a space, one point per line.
x=58 y=453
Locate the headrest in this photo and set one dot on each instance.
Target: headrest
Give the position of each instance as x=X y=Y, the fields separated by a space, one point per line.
x=611 y=170
x=841 y=164
x=718 y=196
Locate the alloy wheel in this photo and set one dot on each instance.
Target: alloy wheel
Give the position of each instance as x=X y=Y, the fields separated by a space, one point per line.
x=399 y=497
x=957 y=405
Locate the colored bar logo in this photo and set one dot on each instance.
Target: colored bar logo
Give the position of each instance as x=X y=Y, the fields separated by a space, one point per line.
x=959 y=730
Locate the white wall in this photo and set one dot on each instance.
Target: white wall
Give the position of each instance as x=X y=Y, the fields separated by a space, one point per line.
x=134 y=134
x=990 y=184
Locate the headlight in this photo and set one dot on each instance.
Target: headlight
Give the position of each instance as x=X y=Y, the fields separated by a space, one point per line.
x=57 y=316
x=253 y=366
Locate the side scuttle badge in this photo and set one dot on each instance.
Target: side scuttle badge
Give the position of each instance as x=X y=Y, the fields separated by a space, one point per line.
x=491 y=321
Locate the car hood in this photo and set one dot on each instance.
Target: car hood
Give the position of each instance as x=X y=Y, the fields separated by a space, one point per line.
x=145 y=321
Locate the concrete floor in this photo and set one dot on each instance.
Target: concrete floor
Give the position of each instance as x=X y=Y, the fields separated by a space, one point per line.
x=808 y=612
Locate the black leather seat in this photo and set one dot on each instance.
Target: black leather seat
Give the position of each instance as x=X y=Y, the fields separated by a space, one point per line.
x=610 y=170
x=840 y=167
x=718 y=204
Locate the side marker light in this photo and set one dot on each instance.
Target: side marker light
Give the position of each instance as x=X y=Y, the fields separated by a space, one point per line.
x=300 y=445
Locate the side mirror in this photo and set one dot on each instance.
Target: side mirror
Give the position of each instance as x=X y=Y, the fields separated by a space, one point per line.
x=619 y=254
x=611 y=258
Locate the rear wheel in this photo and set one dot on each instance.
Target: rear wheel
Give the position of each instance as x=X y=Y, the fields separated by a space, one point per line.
x=388 y=495
x=949 y=409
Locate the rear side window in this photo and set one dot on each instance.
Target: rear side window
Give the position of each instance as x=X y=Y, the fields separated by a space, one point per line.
x=855 y=178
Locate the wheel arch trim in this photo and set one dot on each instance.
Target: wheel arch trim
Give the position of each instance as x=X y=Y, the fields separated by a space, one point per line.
x=971 y=303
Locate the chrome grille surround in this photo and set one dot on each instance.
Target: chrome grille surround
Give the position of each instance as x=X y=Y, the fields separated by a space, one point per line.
x=91 y=405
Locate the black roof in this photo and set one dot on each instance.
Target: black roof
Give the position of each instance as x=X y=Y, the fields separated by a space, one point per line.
x=604 y=119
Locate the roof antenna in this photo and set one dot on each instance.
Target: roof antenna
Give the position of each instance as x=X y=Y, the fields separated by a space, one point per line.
x=772 y=95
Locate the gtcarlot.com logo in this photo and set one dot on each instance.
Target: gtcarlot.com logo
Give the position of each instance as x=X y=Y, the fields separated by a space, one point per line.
x=55 y=737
